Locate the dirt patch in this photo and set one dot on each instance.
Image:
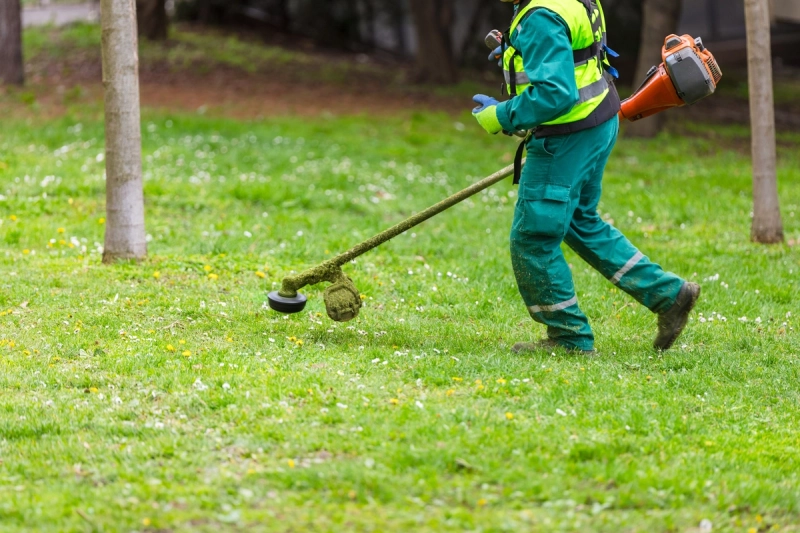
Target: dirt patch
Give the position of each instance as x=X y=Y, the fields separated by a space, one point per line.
x=316 y=84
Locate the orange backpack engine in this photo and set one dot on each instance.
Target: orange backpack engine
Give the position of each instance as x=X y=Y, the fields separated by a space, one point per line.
x=688 y=74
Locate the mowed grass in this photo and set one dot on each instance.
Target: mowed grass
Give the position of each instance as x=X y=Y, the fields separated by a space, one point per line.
x=165 y=396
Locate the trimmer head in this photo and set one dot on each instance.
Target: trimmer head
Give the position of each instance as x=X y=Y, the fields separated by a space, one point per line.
x=287 y=305
x=342 y=299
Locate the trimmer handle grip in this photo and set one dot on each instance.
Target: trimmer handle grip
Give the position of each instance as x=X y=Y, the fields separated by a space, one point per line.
x=494 y=39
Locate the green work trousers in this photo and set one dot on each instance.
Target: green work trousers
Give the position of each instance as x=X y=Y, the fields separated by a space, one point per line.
x=558 y=196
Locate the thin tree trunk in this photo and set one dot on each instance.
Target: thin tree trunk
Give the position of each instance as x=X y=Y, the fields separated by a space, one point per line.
x=435 y=62
x=152 y=19
x=659 y=19
x=369 y=24
x=282 y=15
x=471 y=42
x=125 y=233
x=767 y=223
x=11 y=67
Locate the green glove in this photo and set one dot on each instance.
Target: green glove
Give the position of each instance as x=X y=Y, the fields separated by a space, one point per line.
x=486 y=113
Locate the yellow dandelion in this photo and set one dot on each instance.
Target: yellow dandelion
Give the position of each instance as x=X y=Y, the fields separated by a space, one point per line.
x=93 y=390
x=261 y=274
x=709 y=443
x=62 y=242
x=13 y=218
x=27 y=352
x=299 y=342
x=101 y=221
x=156 y=274
x=752 y=530
x=213 y=277
x=26 y=251
x=207 y=268
x=187 y=353
x=482 y=502
x=181 y=341
x=501 y=381
x=71 y=245
x=61 y=230
x=649 y=378
x=450 y=392
x=146 y=522
x=509 y=416
x=759 y=518
x=458 y=380
x=291 y=463
x=394 y=401
x=363 y=296
x=292 y=339
x=478 y=382
x=229 y=339
x=480 y=387
x=170 y=348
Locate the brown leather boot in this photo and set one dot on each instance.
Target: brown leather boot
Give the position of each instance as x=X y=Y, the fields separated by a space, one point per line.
x=672 y=322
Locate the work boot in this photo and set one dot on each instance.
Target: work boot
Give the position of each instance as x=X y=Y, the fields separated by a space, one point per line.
x=672 y=321
x=548 y=345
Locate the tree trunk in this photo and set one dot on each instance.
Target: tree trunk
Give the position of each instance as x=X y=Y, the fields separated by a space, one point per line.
x=767 y=224
x=283 y=20
x=125 y=234
x=659 y=19
x=435 y=62
x=152 y=20
x=368 y=14
x=11 y=67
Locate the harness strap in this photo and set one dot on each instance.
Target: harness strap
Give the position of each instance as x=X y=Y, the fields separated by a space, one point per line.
x=512 y=77
x=518 y=159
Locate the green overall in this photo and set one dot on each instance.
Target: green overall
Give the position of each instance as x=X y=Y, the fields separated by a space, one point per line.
x=573 y=136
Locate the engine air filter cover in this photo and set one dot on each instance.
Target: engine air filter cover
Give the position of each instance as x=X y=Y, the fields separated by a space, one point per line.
x=690 y=75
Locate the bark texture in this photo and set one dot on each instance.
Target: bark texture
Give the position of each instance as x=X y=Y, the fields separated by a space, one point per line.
x=659 y=19
x=125 y=233
x=11 y=67
x=767 y=223
x=152 y=20
x=433 y=22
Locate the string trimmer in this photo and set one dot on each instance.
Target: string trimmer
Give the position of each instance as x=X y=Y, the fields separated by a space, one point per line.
x=342 y=299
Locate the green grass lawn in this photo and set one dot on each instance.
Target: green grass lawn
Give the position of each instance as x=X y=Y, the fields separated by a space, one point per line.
x=165 y=396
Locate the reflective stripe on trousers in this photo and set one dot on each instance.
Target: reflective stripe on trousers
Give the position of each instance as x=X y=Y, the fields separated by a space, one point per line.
x=627 y=268
x=552 y=308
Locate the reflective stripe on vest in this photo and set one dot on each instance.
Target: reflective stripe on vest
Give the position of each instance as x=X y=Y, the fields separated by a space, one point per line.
x=588 y=36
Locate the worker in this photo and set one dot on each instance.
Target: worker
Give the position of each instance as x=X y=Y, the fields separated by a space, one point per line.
x=555 y=61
